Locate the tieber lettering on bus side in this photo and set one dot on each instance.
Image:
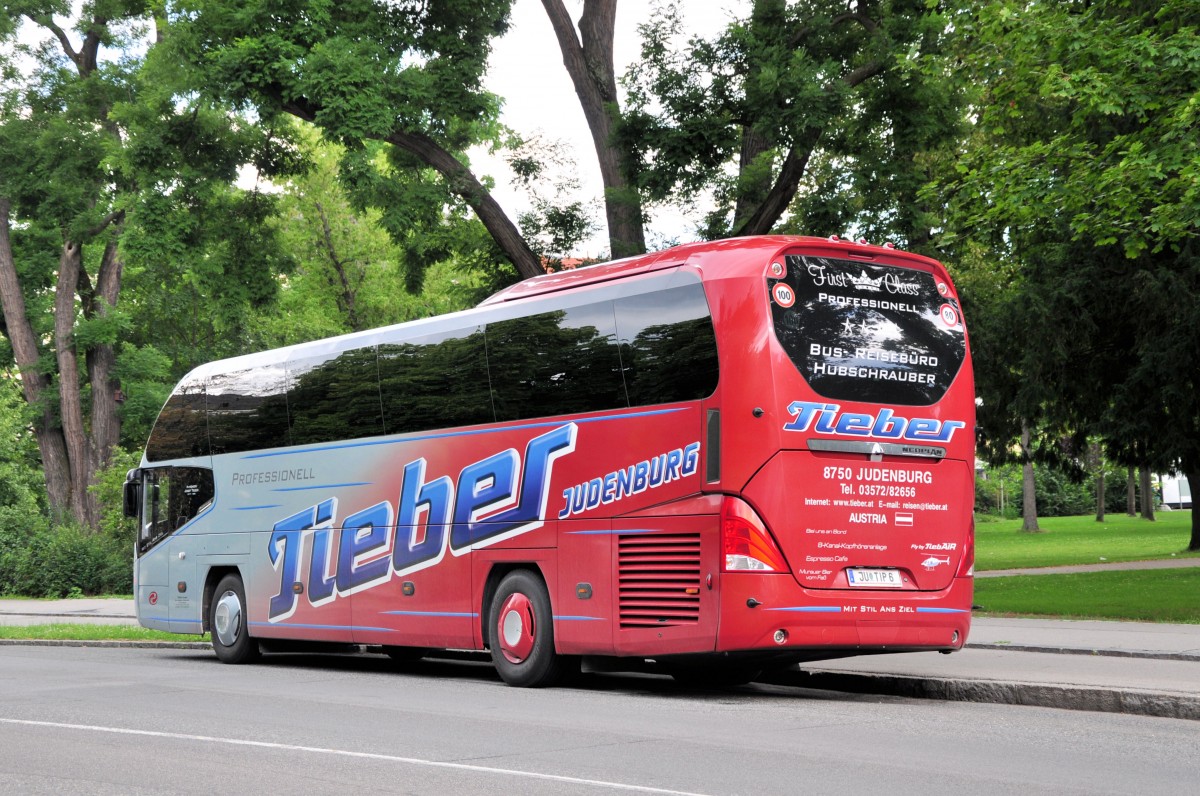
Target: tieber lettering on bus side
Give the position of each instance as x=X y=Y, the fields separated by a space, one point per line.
x=455 y=520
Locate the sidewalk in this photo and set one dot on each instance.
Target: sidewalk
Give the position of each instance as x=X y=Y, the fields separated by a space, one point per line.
x=76 y=612
x=1125 y=667
x=1165 y=563
x=1121 y=667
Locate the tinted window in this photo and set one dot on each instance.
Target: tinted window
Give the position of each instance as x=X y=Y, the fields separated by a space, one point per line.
x=334 y=397
x=247 y=410
x=435 y=381
x=555 y=363
x=668 y=347
x=171 y=496
x=864 y=332
x=181 y=430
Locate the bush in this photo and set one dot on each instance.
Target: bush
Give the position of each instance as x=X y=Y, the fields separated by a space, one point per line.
x=109 y=491
x=60 y=561
x=1057 y=493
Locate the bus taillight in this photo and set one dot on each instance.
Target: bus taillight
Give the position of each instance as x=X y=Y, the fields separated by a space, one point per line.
x=746 y=541
x=966 y=565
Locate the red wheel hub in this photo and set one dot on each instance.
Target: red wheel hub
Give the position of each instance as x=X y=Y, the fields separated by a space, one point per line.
x=516 y=627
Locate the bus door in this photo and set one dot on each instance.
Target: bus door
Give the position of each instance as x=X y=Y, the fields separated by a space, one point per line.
x=168 y=586
x=142 y=496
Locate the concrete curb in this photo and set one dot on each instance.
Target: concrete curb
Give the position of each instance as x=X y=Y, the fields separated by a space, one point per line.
x=1067 y=697
x=1110 y=653
x=67 y=642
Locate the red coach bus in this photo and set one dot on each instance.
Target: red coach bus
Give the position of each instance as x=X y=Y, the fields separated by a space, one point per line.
x=723 y=457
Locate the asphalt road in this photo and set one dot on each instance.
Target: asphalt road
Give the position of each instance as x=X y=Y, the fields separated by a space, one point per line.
x=176 y=721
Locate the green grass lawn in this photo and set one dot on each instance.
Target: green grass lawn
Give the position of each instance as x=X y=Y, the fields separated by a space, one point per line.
x=1163 y=595
x=69 y=632
x=1082 y=540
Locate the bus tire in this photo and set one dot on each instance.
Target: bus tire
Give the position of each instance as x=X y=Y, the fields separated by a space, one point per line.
x=522 y=632
x=227 y=623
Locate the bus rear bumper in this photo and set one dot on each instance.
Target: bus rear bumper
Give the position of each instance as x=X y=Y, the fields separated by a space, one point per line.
x=773 y=612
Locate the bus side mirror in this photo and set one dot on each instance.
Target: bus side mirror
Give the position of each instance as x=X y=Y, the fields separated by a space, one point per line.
x=133 y=492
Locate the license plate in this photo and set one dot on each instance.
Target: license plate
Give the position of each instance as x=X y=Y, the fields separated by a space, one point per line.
x=874 y=578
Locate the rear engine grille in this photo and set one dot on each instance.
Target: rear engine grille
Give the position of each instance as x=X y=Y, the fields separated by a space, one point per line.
x=659 y=579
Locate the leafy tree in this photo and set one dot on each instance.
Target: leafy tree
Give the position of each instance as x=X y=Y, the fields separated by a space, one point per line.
x=809 y=114
x=1083 y=171
x=98 y=156
x=587 y=52
x=349 y=273
x=558 y=221
x=405 y=73
x=61 y=262
x=21 y=497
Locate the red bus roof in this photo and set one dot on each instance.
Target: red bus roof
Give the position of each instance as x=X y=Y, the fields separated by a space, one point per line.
x=678 y=255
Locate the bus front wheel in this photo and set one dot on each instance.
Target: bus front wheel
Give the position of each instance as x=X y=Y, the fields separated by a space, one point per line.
x=227 y=622
x=522 y=632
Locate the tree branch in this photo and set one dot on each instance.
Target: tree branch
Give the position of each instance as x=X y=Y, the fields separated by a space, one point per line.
x=116 y=215
x=460 y=181
x=338 y=267
x=47 y=22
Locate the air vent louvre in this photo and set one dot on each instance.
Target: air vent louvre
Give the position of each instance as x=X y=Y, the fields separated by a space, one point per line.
x=658 y=579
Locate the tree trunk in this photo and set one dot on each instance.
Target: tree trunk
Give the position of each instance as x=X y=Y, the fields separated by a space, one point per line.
x=1193 y=479
x=1130 y=494
x=754 y=182
x=79 y=457
x=783 y=191
x=1095 y=460
x=102 y=358
x=72 y=453
x=349 y=296
x=1028 y=486
x=588 y=57
x=1147 y=495
x=34 y=384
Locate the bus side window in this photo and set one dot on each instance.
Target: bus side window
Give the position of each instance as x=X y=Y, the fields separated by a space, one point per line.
x=668 y=346
x=560 y=362
x=172 y=497
x=434 y=381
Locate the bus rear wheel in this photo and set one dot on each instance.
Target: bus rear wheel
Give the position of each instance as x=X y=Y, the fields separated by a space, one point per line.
x=521 y=630
x=227 y=622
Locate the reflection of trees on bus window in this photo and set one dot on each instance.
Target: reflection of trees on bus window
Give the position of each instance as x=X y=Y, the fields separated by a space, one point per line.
x=181 y=430
x=640 y=350
x=435 y=381
x=668 y=346
x=555 y=363
x=247 y=410
x=172 y=497
x=334 y=397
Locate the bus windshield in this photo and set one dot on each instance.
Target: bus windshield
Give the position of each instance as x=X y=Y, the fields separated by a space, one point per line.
x=867 y=332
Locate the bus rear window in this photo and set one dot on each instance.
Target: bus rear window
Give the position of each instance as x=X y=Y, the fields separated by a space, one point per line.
x=864 y=332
